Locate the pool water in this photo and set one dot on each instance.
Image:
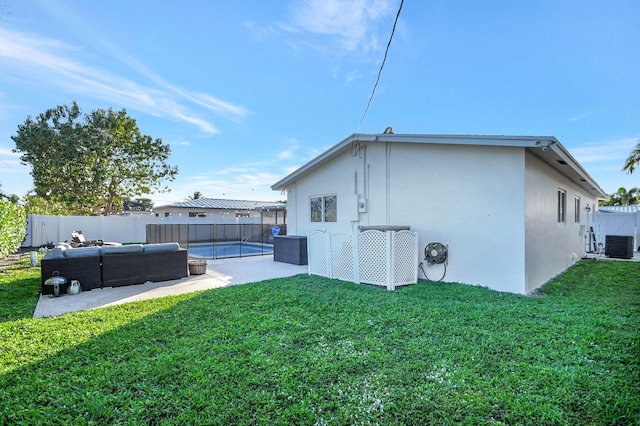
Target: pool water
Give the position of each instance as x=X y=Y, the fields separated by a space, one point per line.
x=230 y=249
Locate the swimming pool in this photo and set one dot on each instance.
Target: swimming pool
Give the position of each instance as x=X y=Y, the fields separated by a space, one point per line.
x=228 y=249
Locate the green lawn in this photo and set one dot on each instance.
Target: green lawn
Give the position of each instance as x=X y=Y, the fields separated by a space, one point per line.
x=308 y=350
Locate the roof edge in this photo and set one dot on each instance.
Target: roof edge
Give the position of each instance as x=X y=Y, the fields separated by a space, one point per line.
x=327 y=155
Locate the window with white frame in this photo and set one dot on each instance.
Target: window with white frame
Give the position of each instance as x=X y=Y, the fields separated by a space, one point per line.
x=576 y=204
x=562 y=206
x=324 y=208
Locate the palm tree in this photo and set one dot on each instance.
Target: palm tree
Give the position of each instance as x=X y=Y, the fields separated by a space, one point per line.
x=623 y=197
x=633 y=160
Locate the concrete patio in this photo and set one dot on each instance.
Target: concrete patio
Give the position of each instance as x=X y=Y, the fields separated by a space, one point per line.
x=220 y=273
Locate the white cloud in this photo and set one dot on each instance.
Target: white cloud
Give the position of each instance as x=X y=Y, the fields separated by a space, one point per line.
x=352 y=23
x=601 y=152
x=34 y=59
x=285 y=154
x=8 y=152
x=581 y=116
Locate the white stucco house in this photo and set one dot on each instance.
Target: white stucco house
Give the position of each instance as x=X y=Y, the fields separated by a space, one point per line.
x=511 y=209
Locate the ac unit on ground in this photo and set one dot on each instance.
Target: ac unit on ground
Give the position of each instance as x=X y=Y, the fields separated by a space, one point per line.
x=619 y=246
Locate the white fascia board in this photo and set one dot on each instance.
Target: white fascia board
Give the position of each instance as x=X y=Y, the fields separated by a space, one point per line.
x=484 y=140
x=488 y=140
x=530 y=142
x=589 y=183
x=327 y=155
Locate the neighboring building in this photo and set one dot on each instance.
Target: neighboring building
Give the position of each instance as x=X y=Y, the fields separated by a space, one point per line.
x=512 y=209
x=216 y=208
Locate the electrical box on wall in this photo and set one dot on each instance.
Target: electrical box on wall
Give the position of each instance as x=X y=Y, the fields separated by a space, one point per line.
x=362 y=205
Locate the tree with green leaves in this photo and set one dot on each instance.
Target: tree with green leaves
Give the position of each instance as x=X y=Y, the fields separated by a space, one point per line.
x=139 y=204
x=13 y=198
x=13 y=227
x=34 y=204
x=623 y=197
x=91 y=163
x=633 y=160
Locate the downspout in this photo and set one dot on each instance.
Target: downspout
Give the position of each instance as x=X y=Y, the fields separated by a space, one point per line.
x=295 y=203
x=388 y=183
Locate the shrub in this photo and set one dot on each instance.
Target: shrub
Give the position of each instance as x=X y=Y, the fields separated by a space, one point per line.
x=13 y=227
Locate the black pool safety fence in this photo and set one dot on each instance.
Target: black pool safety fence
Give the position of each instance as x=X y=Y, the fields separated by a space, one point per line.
x=215 y=241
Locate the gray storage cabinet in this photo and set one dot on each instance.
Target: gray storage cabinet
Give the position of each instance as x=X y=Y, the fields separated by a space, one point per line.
x=290 y=249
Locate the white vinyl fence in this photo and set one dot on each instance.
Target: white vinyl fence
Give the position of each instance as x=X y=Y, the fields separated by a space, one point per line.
x=42 y=230
x=614 y=223
x=386 y=258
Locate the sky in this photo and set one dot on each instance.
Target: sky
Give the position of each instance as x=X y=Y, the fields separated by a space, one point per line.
x=246 y=91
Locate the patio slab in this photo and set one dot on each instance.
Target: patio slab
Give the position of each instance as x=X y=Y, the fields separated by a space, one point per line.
x=220 y=273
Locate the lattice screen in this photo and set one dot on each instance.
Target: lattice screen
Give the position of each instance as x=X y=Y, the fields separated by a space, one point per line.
x=374 y=261
x=317 y=253
x=372 y=257
x=405 y=255
x=342 y=266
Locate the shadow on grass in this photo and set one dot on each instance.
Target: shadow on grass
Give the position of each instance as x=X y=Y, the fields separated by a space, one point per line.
x=306 y=350
x=19 y=291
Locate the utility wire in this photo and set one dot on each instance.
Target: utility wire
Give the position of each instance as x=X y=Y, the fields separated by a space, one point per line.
x=383 y=61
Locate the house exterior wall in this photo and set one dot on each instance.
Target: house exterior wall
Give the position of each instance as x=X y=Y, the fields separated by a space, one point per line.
x=470 y=198
x=495 y=206
x=552 y=246
x=336 y=178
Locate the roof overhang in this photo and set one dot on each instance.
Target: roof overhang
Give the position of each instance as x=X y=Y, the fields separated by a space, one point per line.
x=546 y=148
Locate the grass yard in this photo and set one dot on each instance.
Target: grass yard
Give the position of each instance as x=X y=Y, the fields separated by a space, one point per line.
x=308 y=350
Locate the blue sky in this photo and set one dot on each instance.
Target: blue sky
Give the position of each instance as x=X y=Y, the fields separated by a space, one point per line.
x=247 y=91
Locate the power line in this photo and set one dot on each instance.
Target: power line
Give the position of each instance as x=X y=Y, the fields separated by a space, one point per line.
x=383 y=61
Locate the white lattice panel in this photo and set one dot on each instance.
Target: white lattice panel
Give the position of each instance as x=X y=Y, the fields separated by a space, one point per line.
x=342 y=257
x=372 y=257
x=317 y=253
x=405 y=256
x=374 y=260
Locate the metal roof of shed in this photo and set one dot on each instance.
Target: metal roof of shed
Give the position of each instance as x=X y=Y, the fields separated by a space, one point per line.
x=223 y=204
x=619 y=209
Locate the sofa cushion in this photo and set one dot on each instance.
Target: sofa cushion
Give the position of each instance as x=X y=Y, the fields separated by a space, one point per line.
x=129 y=248
x=54 y=253
x=82 y=252
x=161 y=247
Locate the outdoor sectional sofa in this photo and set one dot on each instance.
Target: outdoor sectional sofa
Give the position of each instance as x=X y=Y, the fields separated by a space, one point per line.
x=114 y=266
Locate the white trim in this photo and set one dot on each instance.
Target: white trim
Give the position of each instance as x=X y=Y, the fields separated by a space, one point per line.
x=547 y=148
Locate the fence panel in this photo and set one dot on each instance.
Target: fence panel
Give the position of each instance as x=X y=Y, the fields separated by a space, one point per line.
x=342 y=257
x=405 y=258
x=318 y=260
x=215 y=241
x=374 y=262
x=385 y=258
x=42 y=229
